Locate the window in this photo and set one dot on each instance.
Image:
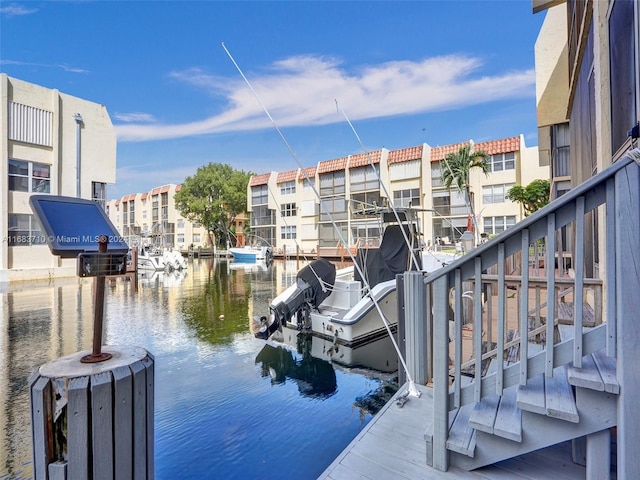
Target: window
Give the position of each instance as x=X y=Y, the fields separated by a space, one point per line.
x=154 y=208
x=288 y=209
x=132 y=212
x=259 y=195
x=336 y=207
x=495 y=193
x=24 y=230
x=262 y=215
x=99 y=193
x=288 y=232
x=196 y=238
x=502 y=161
x=365 y=200
x=332 y=183
x=308 y=184
x=494 y=225
x=365 y=178
x=125 y=213
x=436 y=175
x=624 y=86
x=180 y=223
x=165 y=205
x=407 y=198
x=560 y=149
x=288 y=188
x=29 y=176
x=180 y=237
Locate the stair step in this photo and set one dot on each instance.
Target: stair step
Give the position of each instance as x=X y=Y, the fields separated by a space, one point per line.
x=587 y=376
x=550 y=396
x=462 y=437
x=484 y=414
x=509 y=419
x=531 y=396
x=607 y=368
x=559 y=397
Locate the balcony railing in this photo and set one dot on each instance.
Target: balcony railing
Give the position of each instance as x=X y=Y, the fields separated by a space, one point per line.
x=504 y=302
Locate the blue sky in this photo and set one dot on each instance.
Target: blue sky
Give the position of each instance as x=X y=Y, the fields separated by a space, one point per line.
x=404 y=73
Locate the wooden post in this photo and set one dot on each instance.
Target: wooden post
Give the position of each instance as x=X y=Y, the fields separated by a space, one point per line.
x=94 y=420
x=627 y=257
x=402 y=330
x=417 y=344
x=440 y=373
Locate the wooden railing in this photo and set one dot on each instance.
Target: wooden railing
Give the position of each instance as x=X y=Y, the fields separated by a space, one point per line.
x=511 y=319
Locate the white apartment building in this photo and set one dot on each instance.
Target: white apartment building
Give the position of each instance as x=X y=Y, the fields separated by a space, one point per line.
x=291 y=215
x=50 y=143
x=151 y=218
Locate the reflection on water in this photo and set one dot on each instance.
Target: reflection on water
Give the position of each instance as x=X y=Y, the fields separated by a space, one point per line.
x=223 y=398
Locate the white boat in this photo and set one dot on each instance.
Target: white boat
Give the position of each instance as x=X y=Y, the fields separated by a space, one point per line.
x=337 y=305
x=150 y=259
x=251 y=254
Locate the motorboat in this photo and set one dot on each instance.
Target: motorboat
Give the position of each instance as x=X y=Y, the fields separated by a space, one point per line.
x=150 y=259
x=341 y=305
x=251 y=254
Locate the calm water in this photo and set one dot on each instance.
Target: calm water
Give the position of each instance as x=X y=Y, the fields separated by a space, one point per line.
x=227 y=405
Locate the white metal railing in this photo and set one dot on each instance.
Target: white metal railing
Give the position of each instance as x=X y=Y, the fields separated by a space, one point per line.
x=511 y=317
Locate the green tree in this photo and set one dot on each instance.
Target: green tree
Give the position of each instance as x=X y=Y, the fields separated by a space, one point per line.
x=455 y=170
x=213 y=197
x=532 y=197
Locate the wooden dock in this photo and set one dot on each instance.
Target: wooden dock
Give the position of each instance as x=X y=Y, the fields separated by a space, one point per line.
x=392 y=447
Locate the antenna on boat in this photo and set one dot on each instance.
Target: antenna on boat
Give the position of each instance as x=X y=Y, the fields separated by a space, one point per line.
x=386 y=192
x=413 y=391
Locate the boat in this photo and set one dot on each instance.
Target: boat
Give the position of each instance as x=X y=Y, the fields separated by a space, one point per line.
x=150 y=259
x=251 y=254
x=339 y=304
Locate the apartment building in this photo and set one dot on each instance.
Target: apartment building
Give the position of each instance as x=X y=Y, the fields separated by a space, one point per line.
x=151 y=218
x=588 y=98
x=316 y=209
x=50 y=143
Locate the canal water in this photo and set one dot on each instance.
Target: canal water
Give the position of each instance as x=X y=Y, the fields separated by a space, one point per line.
x=227 y=405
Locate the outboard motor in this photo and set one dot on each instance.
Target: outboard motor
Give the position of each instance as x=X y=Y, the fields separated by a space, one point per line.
x=313 y=285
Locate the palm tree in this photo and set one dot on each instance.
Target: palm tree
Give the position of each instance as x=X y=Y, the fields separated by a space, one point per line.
x=455 y=170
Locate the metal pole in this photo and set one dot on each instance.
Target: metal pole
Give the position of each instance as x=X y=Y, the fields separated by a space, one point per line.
x=97 y=355
x=78 y=119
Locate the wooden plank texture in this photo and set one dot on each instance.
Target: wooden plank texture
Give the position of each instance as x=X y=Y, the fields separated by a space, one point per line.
x=148 y=363
x=58 y=470
x=509 y=418
x=531 y=396
x=102 y=426
x=78 y=428
x=139 y=421
x=41 y=426
x=559 y=397
x=461 y=433
x=123 y=421
x=586 y=377
x=607 y=369
x=484 y=413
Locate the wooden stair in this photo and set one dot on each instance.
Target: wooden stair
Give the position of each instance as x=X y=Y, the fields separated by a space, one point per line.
x=544 y=412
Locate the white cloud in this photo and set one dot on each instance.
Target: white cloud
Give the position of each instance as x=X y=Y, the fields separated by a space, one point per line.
x=301 y=91
x=61 y=66
x=135 y=117
x=14 y=10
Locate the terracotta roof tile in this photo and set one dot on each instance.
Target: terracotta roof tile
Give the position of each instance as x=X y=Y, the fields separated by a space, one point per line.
x=287 y=176
x=178 y=187
x=144 y=196
x=165 y=188
x=364 y=159
x=439 y=153
x=405 y=154
x=155 y=191
x=117 y=202
x=259 y=180
x=332 y=165
x=309 y=172
x=504 y=145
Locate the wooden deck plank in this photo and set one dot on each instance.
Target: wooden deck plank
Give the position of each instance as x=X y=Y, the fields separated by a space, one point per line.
x=484 y=414
x=509 y=418
x=587 y=377
x=559 y=397
x=607 y=368
x=531 y=396
x=461 y=433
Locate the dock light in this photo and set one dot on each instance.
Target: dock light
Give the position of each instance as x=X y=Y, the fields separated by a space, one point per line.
x=468 y=241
